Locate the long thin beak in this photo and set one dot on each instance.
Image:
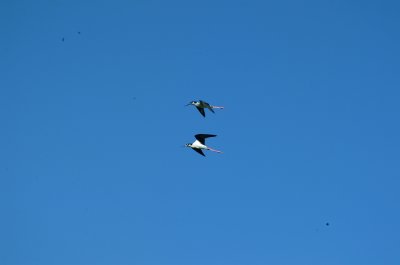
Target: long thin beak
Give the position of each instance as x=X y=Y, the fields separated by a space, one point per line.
x=188 y=104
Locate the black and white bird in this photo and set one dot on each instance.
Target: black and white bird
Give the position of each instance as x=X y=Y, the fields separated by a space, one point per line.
x=200 y=144
x=201 y=105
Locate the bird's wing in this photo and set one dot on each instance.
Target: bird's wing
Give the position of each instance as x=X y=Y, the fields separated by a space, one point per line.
x=199 y=151
x=202 y=137
x=206 y=105
x=210 y=108
x=202 y=111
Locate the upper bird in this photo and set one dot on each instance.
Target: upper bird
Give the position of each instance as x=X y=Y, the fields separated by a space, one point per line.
x=201 y=105
x=200 y=144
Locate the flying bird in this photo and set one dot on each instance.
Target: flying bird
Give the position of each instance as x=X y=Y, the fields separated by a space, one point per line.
x=200 y=144
x=201 y=105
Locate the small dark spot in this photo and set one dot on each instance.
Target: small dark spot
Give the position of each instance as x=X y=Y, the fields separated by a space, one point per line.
x=62 y=39
x=327 y=224
x=79 y=32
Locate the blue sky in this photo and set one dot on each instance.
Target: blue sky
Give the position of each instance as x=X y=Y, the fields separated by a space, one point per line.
x=91 y=160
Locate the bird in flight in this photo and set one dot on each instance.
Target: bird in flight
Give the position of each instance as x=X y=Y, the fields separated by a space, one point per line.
x=201 y=105
x=200 y=144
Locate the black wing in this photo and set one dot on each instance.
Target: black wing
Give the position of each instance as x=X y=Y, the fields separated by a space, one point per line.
x=207 y=105
x=202 y=111
x=202 y=137
x=199 y=151
x=210 y=108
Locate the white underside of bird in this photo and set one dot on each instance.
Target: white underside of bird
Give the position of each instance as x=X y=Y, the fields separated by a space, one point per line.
x=199 y=144
x=196 y=144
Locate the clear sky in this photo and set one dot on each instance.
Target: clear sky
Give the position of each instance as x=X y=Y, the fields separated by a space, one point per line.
x=92 y=164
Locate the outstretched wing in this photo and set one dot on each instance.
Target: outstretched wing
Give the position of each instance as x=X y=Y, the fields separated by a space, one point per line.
x=199 y=151
x=202 y=137
x=201 y=110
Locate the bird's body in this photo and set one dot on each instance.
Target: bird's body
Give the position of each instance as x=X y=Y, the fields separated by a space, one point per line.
x=199 y=145
x=202 y=105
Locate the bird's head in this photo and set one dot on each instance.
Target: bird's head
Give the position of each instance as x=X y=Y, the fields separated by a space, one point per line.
x=188 y=145
x=191 y=103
